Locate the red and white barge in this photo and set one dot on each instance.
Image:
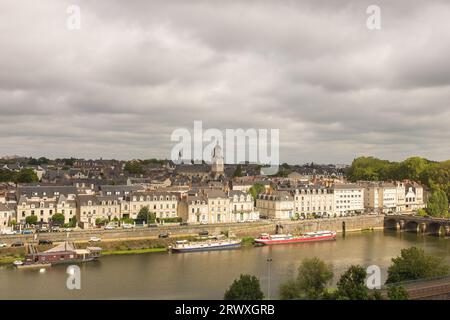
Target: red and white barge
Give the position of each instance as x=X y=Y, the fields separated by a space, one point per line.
x=268 y=239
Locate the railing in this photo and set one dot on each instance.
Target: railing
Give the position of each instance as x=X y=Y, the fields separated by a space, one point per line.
x=416 y=281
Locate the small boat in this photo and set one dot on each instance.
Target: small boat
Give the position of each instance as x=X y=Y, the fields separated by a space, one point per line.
x=210 y=245
x=268 y=239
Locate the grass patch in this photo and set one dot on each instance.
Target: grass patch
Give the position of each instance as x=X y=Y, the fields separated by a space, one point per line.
x=248 y=241
x=133 y=251
x=9 y=259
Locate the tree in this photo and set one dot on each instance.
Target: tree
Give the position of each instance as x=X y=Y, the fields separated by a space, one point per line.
x=312 y=279
x=397 y=293
x=438 y=204
x=147 y=216
x=421 y=212
x=414 y=264
x=256 y=189
x=101 y=221
x=26 y=176
x=238 y=171
x=58 y=218
x=134 y=167
x=247 y=287
x=143 y=214
x=351 y=285
x=73 y=222
x=31 y=219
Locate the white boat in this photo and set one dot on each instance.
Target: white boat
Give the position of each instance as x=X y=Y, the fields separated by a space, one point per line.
x=185 y=246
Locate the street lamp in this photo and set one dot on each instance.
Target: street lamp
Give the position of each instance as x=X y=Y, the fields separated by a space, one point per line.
x=269 y=263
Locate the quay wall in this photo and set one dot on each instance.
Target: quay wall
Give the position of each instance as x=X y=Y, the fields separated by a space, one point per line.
x=253 y=229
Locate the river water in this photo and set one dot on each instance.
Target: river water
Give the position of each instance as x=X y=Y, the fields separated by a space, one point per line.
x=206 y=275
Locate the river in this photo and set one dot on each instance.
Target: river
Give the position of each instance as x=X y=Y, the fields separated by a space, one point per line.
x=206 y=275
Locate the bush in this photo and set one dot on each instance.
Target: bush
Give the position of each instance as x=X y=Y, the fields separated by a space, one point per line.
x=397 y=293
x=313 y=276
x=31 y=219
x=414 y=264
x=58 y=218
x=170 y=220
x=247 y=287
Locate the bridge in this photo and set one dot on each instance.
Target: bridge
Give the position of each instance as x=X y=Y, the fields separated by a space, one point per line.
x=425 y=289
x=417 y=224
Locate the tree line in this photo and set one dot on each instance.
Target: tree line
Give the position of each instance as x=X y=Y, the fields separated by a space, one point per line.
x=433 y=175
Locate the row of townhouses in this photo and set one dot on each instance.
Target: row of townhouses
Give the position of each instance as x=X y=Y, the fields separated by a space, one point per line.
x=341 y=199
x=206 y=205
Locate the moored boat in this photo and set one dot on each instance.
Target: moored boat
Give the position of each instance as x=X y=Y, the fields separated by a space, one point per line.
x=210 y=245
x=268 y=239
x=63 y=253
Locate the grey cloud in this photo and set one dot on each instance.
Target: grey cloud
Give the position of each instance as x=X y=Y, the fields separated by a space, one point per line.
x=135 y=72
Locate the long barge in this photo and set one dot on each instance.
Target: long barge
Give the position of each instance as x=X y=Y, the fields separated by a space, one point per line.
x=210 y=245
x=267 y=239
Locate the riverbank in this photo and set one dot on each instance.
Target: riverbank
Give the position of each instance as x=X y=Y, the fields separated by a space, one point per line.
x=128 y=246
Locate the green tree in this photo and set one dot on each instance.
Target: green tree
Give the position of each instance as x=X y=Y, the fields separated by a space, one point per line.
x=422 y=212
x=143 y=214
x=397 y=293
x=414 y=264
x=147 y=216
x=247 y=287
x=256 y=189
x=58 y=218
x=238 y=171
x=437 y=205
x=101 y=221
x=312 y=279
x=73 y=222
x=351 y=285
x=134 y=167
x=26 y=176
x=31 y=219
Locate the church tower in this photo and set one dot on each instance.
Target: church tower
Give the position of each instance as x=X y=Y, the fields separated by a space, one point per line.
x=217 y=161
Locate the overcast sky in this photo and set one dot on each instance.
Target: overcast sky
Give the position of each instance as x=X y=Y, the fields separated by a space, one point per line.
x=137 y=70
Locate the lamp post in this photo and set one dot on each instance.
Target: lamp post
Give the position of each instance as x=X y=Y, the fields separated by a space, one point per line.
x=269 y=263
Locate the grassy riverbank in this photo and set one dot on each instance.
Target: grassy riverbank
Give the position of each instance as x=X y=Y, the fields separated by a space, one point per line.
x=9 y=259
x=133 y=251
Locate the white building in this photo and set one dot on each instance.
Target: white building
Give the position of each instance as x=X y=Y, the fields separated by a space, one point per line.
x=348 y=198
x=242 y=207
x=314 y=201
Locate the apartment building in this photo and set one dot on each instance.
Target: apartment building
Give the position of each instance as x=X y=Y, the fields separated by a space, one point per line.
x=414 y=197
x=380 y=197
x=277 y=205
x=218 y=206
x=193 y=208
x=163 y=204
x=92 y=207
x=348 y=198
x=242 y=207
x=7 y=214
x=45 y=201
x=314 y=201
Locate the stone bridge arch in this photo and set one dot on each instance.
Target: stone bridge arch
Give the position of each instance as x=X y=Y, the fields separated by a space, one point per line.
x=435 y=228
x=391 y=224
x=411 y=226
